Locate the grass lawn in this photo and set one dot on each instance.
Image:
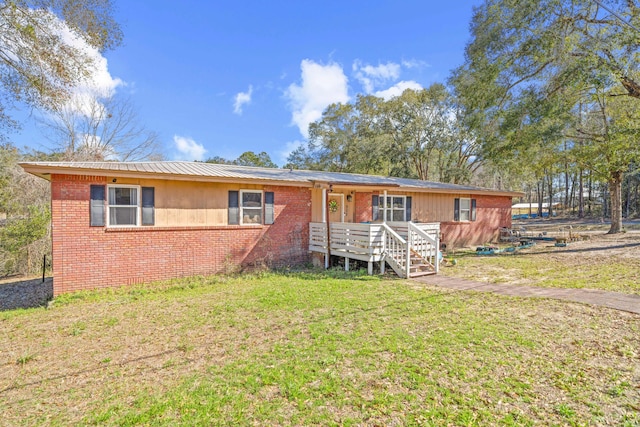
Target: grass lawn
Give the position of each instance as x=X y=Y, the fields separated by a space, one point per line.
x=610 y=263
x=315 y=349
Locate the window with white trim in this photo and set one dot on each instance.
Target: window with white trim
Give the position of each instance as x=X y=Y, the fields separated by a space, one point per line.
x=251 y=207
x=395 y=206
x=123 y=205
x=465 y=209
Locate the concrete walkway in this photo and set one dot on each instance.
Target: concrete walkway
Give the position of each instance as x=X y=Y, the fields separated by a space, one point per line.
x=615 y=300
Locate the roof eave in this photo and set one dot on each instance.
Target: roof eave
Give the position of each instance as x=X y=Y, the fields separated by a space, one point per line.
x=45 y=172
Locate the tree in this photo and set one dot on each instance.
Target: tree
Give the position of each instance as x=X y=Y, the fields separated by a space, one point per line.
x=419 y=134
x=98 y=129
x=25 y=200
x=46 y=49
x=531 y=63
x=349 y=138
x=248 y=158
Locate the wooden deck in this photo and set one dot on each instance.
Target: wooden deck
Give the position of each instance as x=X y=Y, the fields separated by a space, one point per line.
x=410 y=249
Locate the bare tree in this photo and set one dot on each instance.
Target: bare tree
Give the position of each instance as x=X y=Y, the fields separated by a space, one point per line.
x=47 y=47
x=105 y=128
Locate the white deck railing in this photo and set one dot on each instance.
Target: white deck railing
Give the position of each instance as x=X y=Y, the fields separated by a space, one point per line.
x=424 y=243
x=394 y=241
x=397 y=251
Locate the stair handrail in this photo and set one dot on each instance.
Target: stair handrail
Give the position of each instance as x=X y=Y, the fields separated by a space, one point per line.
x=398 y=265
x=434 y=241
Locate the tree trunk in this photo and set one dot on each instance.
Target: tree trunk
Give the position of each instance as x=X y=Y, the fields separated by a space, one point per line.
x=615 y=192
x=581 y=196
x=589 y=198
x=627 y=196
x=566 y=184
x=540 y=196
x=550 y=184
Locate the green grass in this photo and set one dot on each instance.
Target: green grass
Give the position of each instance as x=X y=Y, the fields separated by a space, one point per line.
x=547 y=266
x=316 y=349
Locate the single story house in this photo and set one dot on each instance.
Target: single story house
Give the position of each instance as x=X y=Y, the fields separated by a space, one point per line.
x=123 y=223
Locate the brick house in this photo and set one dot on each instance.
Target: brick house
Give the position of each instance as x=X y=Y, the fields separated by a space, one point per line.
x=123 y=223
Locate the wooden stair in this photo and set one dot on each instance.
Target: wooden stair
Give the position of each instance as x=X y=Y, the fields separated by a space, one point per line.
x=419 y=266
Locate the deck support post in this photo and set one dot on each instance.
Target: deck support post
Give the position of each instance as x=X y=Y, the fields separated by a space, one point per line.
x=346 y=263
x=382 y=266
x=370 y=268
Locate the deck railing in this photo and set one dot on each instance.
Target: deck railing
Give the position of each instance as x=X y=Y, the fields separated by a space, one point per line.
x=394 y=241
x=424 y=243
x=397 y=251
x=360 y=240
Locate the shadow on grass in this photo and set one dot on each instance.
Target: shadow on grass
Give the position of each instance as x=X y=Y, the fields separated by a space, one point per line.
x=26 y=294
x=549 y=249
x=602 y=248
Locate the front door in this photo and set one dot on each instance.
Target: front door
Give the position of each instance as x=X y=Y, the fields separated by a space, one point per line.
x=336 y=207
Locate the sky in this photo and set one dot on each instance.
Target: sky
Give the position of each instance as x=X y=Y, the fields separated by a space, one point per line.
x=221 y=78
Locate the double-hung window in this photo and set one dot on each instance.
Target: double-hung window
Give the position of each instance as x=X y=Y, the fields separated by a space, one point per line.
x=124 y=205
x=464 y=209
x=251 y=207
x=395 y=206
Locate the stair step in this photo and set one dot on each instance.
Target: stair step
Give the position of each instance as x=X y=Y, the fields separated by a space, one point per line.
x=421 y=273
x=420 y=268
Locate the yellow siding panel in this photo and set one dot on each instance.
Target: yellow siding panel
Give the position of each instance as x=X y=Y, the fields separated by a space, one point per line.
x=433 y=207
x=316 y=205
x=182 y=203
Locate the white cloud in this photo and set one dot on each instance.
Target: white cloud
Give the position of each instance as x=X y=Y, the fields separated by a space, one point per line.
x=322 y=85
x=99 y=84
x=414 y=63
x=397 y=89
x=372 y=77
x=241 y=99
x=188 y=149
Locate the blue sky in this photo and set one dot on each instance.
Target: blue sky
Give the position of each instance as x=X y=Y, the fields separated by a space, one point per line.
x=221 y=78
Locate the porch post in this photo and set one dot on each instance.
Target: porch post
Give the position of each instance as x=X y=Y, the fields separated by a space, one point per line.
x=324 y=221
x=384 y=207
x=324 y=203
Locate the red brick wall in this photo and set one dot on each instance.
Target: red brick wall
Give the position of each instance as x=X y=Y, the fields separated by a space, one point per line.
x=363 y=207
x=87 y=257
x=492 y=212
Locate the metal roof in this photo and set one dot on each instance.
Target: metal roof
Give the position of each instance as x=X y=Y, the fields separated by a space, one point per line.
x=224 y=172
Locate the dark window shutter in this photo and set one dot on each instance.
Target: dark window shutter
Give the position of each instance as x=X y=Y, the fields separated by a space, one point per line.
x=268 y=207
x=234 y=211
x=374 y=208
x=407 y=207
x=456 y=209
x=97 y=209
x=148 y=206
x=473 y=209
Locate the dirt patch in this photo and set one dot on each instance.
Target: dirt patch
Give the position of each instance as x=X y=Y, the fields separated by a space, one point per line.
x=591 y=259
x=25 y=293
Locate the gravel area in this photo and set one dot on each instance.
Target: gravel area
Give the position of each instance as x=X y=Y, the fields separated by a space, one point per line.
x=26 y=294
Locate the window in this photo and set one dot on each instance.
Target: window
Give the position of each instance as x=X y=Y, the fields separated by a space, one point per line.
x=251 y=207
x=123 y=205
x=248 y=207
x=464 y=210
x=395 y=207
